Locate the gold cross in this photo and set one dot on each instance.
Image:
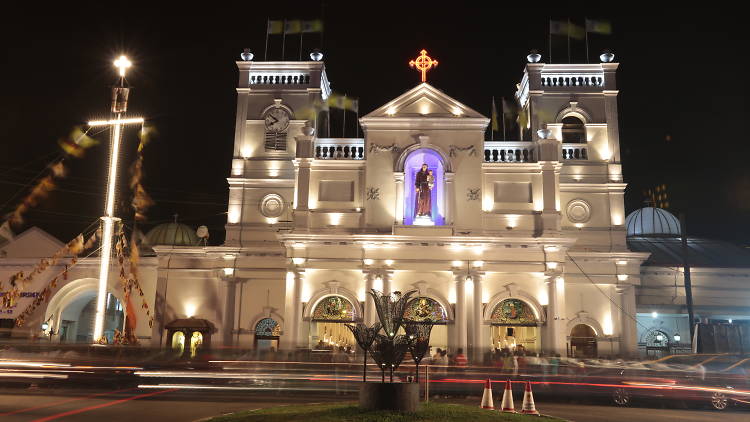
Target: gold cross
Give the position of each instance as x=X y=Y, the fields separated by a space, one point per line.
x=423 y=63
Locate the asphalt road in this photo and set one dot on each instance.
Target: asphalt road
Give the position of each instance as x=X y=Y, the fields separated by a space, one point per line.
x=165 y=404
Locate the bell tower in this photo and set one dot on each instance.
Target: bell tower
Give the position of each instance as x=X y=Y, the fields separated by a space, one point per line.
x=274 y=100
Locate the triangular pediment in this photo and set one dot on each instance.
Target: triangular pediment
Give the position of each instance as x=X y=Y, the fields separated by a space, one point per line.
x=33 y=243
x=425 y=101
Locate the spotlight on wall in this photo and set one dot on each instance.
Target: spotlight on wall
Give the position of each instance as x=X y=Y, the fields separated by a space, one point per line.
x=654 y=315
x=388 y=262
x=368 y=261
x=298 y=261
x=228 y=271
x=622 y=277
x=677 y=337
x=45 y=326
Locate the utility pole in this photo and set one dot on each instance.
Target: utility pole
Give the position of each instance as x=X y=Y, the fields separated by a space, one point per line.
x=686 y=277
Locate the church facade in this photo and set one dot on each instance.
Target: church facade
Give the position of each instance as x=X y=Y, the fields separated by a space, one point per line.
x=518 y=244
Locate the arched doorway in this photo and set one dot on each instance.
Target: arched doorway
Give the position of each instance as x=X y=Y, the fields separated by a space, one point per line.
x=424 y=309
x=434 y=214
x=514 y=326
x=78 y=316
x=657 y=343
x=583 y=342
x=267 y=332
x=187 y=337
x=327 y=330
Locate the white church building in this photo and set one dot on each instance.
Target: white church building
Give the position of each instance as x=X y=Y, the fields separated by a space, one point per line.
x=518 y=244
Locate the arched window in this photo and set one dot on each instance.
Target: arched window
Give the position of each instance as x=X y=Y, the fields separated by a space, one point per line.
x=267 y=327
x=573 y=130
x=513 y=312
x=333 y=308
x=425 y=309
x=583 y=341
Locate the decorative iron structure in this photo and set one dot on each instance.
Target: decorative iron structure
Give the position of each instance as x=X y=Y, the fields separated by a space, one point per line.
x=513 y=312
x=364 y=336
x=333 y=308
x=388 y=349
x=418 y=334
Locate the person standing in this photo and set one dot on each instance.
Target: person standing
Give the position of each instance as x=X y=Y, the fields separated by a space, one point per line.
x=461 y=360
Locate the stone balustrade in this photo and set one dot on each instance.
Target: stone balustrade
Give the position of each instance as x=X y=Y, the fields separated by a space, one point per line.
x=340 y=149
x=279 y=79
x=508 y=152
x=575 y=152
x=565 y=80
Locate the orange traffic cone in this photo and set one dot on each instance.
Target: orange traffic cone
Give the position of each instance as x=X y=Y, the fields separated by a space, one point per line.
x=507 y=405
x=487 y=396
x=528 y=407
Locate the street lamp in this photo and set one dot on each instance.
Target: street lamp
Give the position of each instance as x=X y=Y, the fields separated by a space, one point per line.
x=45 y=326
x=677 y=337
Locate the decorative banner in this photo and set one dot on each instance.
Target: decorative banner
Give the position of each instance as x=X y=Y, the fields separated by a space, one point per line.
x=141 y=199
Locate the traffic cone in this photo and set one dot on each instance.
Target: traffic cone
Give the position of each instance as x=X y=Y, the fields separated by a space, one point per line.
x=507 y=405
x=487 y=396
x=528 y=407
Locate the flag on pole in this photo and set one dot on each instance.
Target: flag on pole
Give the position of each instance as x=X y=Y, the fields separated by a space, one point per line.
x=351 y=104
x=293 y=27
x=275 y=27
x=568 y=29
x=312 y=26
x=77 y=142
x=336 y=101
x=495 y=124
x=598 y=26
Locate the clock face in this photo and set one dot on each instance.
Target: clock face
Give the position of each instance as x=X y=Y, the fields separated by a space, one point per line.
x=277 y=120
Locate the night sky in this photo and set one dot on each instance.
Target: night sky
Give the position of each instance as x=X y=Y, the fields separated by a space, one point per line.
x=682 y=104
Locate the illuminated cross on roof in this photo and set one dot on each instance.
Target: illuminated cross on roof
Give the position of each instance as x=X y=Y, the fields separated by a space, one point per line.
x=123 y=64
x=423 y=63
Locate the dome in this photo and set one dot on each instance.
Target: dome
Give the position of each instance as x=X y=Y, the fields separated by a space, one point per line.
x=172 y=234
x=649 y=221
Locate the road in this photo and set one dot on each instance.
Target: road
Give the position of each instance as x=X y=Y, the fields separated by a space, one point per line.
x=167 y=404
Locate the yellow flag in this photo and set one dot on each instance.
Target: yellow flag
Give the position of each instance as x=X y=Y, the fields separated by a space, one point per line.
x=495 y=125
x=312 y=26
x=293 y=27
x=275 y=27
x=598 y=27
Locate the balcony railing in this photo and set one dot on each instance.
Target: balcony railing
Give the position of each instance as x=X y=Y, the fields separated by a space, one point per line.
x=575 y=152
x=279 y=79
x=508 y=152
x=568 y=80
x=340 y=149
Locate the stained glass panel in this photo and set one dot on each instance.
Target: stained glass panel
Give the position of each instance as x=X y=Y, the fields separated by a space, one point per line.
x=513 y=312
x=333 y=308
x=267 y=327
x=423 y=309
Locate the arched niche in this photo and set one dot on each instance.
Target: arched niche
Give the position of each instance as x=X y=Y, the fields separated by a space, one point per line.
x=410 y=167
x=513 y=311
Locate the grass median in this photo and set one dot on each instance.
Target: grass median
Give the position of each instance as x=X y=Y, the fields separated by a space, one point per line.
x=432 y=412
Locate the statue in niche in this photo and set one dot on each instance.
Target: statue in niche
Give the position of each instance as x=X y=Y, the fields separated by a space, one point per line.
x=424 y=182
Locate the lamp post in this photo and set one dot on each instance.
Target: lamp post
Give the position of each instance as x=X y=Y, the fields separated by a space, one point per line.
x=119 y=106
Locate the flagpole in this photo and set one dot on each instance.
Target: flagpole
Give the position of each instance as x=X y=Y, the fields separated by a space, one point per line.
x=265 y=51
x=283 y=40
x=301 y=33
x=549 y=31
x=343 y=126
x=503 y=110
x=568 y=40
x=493 y=111
x=586 y=23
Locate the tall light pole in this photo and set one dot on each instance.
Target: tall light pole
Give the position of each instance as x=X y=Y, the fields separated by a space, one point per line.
x=119 y=107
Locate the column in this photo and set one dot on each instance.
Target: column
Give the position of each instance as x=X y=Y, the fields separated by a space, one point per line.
x=477 y=323
x=460 y=322
x=227 y=321
x=450 y=198
x=387 y=277
x=548 y=154
x=556 y=325
x=628 y=338
x=369 y=308
x=302 y=161
x=292 y=308
x=399 y=217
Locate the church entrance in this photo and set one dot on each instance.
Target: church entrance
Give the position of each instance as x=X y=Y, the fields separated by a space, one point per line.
x=77 y=319
x=267 y=332
x=424 y=309
x=327 y=325
x=582 y=342
x=514 y=327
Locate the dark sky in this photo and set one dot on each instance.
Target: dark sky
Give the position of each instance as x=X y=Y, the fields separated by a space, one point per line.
x=682 y=77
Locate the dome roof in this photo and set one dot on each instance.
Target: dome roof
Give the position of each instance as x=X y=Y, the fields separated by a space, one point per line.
x=172 y=234
x=650 y=221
